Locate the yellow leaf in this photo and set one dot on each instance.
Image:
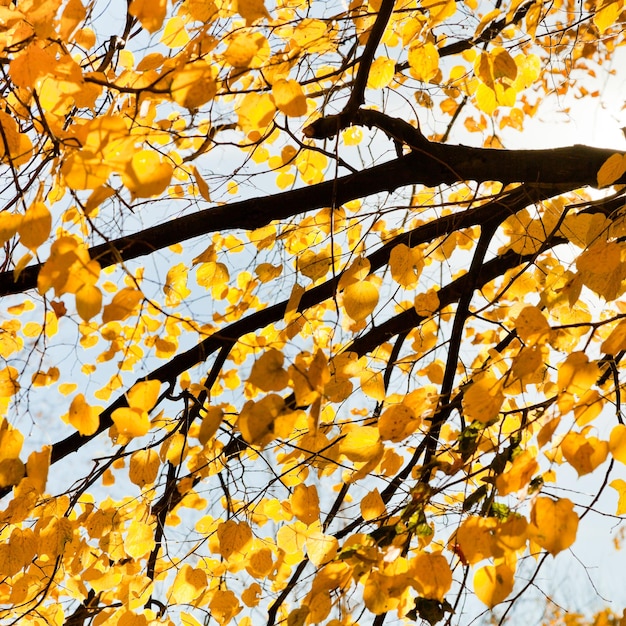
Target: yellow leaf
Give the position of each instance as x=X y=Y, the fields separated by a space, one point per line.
x=381 y=73
x=406 y=265
x=260 y=563
x=475 y=539
x=426 y=304
x=193 y=86
x=584 y=453
x=144 y=467
x=72 y=16
x=518 y=475
x=267 y=272
x=210 y=423
x=439 y=10
x=175 y=34
x=131 y=422
x=11 y=441
x=9 y=224
x=83 y=417
x=483 y=399
x=372 y=506
x=620 y=486
x=88 y=302
x=268 y=373
x=601 y=268
x=617 y=443
x=146 y=174
x=423 y=61
x=531 y=325
x=224 y=605
x=35 y=226
x=486 y=99
x=616 y=341
x=361 y=444
x=256 y=420
x=553 y=524
x=188 y=584
x=576 y=375
x=144 y=395
x=373 y=385
x=492 y=584
x=289 y=97
x=235 y=539
x=251 y=10
x=44 y=379
x=305 y=504
x=360 y=299
x=175 y=287
x=398 y=422
x=11 y=472
x=247 y=50
x=377 y=593
x=37 y=467
x=139 y=540
x=203 y=188
x=433 y=577
x=123 y=305
x=255 y=112
x=607 y=14
x=150 y=13
x=321 y=548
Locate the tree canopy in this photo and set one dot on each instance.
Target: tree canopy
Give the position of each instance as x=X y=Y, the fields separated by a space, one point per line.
x=277 y=346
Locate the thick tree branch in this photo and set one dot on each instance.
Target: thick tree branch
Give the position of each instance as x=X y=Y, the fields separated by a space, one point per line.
x=429 y=163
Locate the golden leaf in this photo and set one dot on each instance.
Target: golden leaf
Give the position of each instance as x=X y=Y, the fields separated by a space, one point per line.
x=175 y=34
x=406 y=265
x=123 y=305
x=617 y=443
x=372 y=505
x=553 y=524
x=34 y=228
x=432 y=574
x=88 y=302
x=397 y=422
x=305 y=504
x=492 y=584
x=150 y=13
x=188 y=584
x=423 y=61
x=360 y=299
x=139 y=540
x=381 y=73
x=583 y=452
x=531 y=325
x=224 y=604
x=146 y=174
x=620 y=486
x=194 y=85
x=144 y=467
x=361 y=444
x=251 y=10
x=84 y=417
x=268 y=373
x=483 y=399
x=518 y=475
x=289 y=97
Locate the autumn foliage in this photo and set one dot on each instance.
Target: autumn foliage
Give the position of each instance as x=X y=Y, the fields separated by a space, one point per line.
x=278 y=346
